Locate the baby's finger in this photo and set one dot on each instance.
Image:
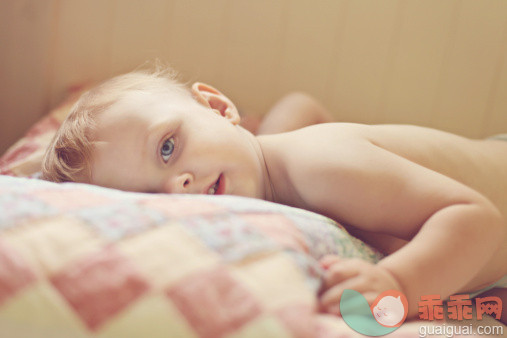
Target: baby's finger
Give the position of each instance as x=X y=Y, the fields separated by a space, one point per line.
x=328 y=260
x=333 y=308
x=330 y=301
x=341 y=271
x=332 y=304
x=334 y=294
x=330 y=298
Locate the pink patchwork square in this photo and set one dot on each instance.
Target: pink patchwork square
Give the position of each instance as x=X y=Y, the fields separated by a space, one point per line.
x=213 y=302
x=100 y=286
x=14 y=273
x=5 y=171
x=18 y=153
x=48 y=123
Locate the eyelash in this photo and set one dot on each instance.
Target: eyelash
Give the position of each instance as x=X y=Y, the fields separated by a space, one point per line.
x=169 y=140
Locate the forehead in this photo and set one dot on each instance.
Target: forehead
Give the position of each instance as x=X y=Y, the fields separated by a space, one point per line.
x=142 y=107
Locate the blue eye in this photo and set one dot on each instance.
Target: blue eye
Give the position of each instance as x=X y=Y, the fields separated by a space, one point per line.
x=167 y=149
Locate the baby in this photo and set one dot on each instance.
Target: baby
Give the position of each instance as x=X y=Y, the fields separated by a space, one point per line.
x=435 y=203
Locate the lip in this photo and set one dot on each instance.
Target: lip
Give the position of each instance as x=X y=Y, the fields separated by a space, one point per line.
x=220 y=188
x=221 y=185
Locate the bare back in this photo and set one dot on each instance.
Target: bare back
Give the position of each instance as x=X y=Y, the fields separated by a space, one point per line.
x=479 y=164
x=480 y=167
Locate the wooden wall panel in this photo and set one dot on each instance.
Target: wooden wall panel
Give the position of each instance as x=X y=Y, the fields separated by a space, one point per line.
x=495 y=114
x=139 y=30
x=424 y=34
x=254 y=34
x=82 y=49
x=196 y=39
x=469 y=67
x=429 y=62
x=359 y=74
x=25 y=43
x=308 y=46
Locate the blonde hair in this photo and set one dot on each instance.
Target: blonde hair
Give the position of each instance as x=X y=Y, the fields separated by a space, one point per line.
x=68 y=156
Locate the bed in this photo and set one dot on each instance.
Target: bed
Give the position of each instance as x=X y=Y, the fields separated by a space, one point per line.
x=84 y=261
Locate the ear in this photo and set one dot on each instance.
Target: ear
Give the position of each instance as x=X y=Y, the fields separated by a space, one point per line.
x=210 y=97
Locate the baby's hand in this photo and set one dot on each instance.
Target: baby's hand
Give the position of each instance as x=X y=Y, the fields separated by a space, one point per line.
x=352 y=273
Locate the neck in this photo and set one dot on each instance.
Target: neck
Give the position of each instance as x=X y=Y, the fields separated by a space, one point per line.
x=279 y=183
x=268 y=192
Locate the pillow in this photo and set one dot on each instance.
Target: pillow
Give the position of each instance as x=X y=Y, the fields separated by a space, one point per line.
x=24 y=158
x=78 y=260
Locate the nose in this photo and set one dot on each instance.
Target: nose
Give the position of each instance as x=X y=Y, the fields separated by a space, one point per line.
x=180 y=184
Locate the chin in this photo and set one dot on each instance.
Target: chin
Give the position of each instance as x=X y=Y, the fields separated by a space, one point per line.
x=247 y=187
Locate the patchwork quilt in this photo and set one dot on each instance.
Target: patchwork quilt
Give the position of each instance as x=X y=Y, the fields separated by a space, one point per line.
x=79 y=260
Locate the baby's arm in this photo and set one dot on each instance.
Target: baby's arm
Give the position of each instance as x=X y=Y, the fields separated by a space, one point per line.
x=293 y=111
x=453 y=230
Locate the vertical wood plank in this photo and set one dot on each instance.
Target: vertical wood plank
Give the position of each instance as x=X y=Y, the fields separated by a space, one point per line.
x=410 y=89
x=83 y=41
x=341 y=17
x=467 y=74
x=495 y=115
x=359 y=73
x=429 y=62
x=253 y=42
x=195 y=42
x=309 y=46
x=25 y=38
x=139 y=29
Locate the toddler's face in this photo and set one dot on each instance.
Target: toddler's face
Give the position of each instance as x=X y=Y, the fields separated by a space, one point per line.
x=150 y=143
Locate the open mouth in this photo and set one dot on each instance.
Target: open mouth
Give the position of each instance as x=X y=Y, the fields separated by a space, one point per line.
x=217 y=188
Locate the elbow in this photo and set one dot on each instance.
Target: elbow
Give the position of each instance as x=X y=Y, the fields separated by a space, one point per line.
x=319 y=113
x=478 y=220
x=494 y=223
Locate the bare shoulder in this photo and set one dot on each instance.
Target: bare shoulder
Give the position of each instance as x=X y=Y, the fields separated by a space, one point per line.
x=319 y=147
x=363 y=175
x=477 y=163
x=296 y=158
x=327 y=137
